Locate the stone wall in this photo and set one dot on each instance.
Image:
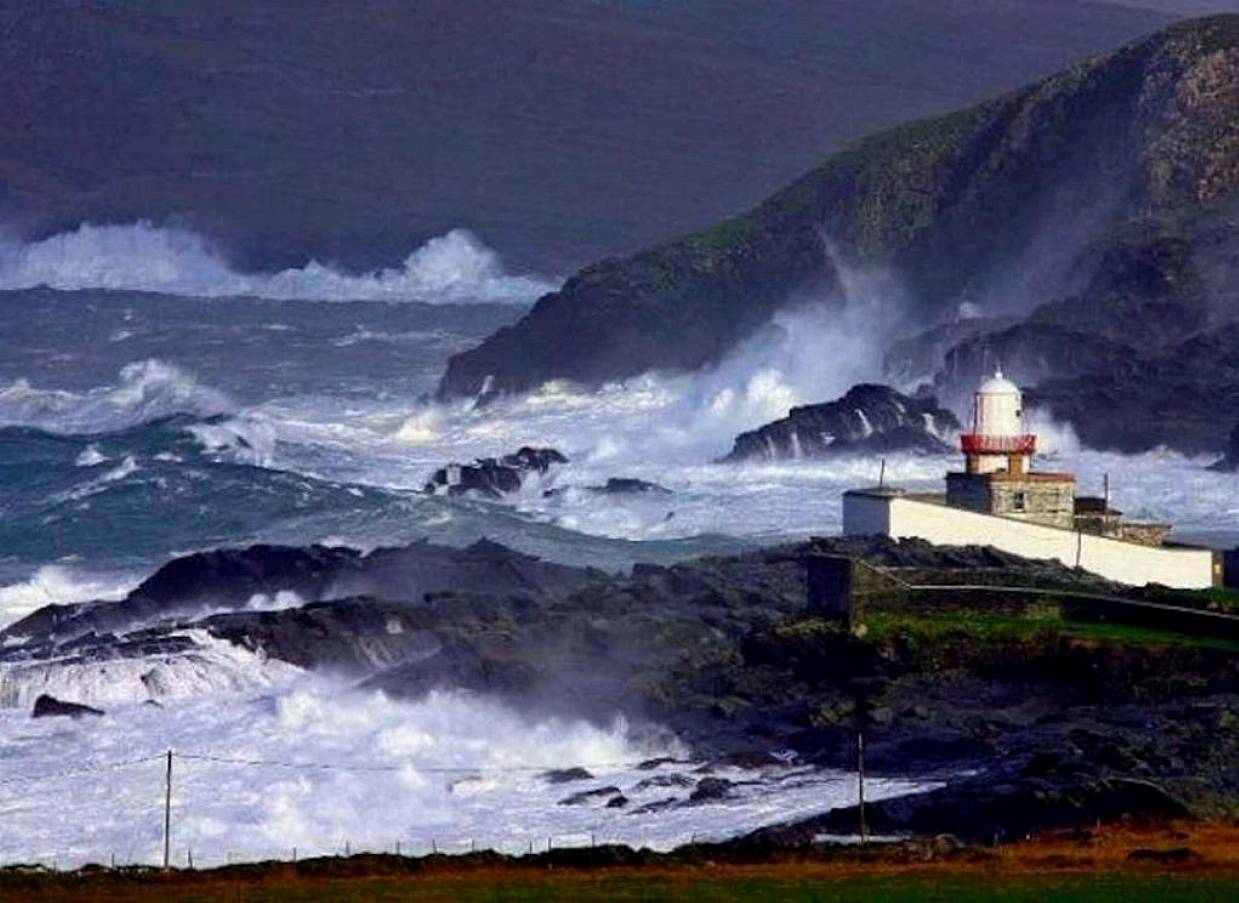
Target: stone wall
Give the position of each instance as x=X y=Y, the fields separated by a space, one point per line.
x=1049 y=502
x=1036 y=498
x=1145 y=534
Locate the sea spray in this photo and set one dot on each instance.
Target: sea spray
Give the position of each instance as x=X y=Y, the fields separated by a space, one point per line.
x=143 y=391
x=315 y=765
x=143 y=256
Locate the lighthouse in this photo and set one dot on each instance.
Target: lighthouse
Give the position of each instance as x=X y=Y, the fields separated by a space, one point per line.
x=998 y=440
x=998 y=499
x=998 y=477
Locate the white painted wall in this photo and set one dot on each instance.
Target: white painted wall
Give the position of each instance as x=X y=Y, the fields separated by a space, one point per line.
x=1122 y=562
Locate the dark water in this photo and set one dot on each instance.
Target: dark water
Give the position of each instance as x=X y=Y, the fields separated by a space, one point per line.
x=135 y=426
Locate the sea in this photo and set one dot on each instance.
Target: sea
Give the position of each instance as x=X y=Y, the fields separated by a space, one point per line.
x=155 y=401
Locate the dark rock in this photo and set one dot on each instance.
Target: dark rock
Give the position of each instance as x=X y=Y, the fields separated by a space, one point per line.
x=566 y=775
x=869 y=418
x=657 y=761
x=710 y=790
x=657 y=806
x=618 y=486
x=981 y=809
x=493 y=477
x=587 y=796
x=50 y=707
x=663 y=780
x=617 y=802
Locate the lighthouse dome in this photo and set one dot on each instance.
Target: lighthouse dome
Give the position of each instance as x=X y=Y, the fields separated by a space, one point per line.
x=997 y=411
x=998 y=385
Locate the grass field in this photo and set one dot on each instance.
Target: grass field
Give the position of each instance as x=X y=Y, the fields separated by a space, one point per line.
x=1196 y=862
x=702 y=887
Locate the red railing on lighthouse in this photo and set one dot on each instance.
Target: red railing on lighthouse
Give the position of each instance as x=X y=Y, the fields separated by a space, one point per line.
x=981 y=444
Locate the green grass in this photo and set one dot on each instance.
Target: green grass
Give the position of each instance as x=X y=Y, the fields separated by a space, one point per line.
x=1226 y=598
x=1038 y=624
x=1121 y=888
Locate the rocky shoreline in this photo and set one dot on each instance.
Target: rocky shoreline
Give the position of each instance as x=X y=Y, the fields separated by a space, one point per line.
x=1031 y=722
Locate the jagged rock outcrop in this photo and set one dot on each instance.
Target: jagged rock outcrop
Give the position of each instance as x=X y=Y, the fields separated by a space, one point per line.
x=493 y=477
x=959 y=207
x=869 y=418
x=50 y=707
x=203 y=585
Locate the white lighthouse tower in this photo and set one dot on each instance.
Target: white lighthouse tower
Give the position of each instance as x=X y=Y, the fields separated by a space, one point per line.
x=998 y=440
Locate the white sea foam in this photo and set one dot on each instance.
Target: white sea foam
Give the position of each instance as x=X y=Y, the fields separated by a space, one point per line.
x=667 y=430
x=246 y=439
x=90 y=457
x=210 y=667
x=144 y=391
x=455 y=267
x=59 y=584
x=464 y=771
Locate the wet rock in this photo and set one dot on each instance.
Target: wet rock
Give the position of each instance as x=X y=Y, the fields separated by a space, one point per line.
x=663 y=780
x=617 y=486
x=587 y=796
x=869 y=418
x=566 y=775
x=657 y=806
x=617 y=802
x=711 y=790
x=493 y=477
x=50 y=707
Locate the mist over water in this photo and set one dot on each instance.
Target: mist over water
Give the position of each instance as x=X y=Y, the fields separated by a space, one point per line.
x=142 y=256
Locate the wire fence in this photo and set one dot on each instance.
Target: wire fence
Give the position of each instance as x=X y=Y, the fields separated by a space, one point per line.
x=184 y=856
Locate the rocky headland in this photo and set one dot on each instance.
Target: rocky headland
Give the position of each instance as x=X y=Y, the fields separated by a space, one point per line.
x=1031 y=715
x=1112 y=315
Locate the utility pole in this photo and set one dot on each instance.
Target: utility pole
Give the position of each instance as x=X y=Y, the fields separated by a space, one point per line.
x=860 y=785
x=167 y=814
x=882 y=473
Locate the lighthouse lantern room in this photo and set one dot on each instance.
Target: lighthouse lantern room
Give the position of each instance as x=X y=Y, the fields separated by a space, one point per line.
x=998 y=440
x=998 y=476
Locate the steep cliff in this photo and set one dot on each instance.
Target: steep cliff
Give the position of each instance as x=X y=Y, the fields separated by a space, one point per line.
x=1013 y=202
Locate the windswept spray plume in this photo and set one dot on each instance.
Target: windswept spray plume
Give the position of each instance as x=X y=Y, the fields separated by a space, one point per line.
x=141 y=256
x=143 y=391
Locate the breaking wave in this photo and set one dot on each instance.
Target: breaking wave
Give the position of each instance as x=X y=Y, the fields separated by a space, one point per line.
x=141 y=256
x=144 y=391
x=447 y=772
x=209 y=667
x=58 y=584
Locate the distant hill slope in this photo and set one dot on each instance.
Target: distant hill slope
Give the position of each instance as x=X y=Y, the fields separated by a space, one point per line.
x=560 y=130
x=1068 y=187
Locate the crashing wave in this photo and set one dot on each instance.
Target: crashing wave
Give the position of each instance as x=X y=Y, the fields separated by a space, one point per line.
x=141 y=256
x=144 y=391
x=199 y=664
x=57 y=584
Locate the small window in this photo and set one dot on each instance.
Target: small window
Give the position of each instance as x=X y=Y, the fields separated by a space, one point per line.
x=1019 y=502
